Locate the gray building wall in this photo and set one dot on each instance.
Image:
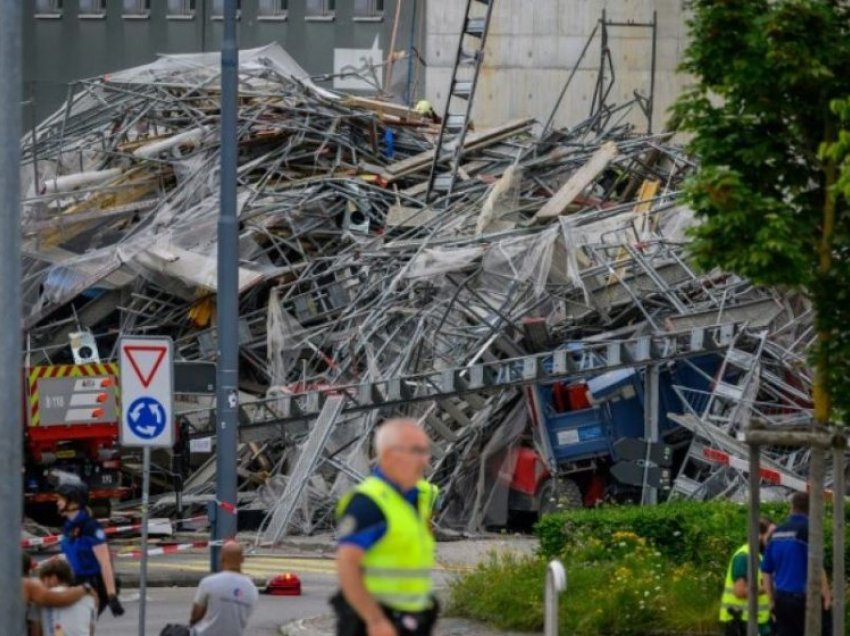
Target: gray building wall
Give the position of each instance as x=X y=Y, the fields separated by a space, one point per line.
x=534 y=44
x=59 y=50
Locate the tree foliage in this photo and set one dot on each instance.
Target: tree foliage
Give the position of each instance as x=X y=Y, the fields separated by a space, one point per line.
x=769 y=116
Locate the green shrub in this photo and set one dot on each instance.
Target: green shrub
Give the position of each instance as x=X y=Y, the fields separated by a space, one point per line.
x=695 y=531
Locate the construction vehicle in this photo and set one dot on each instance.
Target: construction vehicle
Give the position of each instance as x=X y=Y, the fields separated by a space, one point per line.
x=72 y=413
x=588 y=441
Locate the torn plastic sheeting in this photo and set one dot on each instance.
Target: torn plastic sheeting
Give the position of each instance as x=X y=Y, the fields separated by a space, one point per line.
x=435 y=261
x=205 y=68
x=193 y=269
x=190 y=138
x=502 y=199
x=521 y=259
x=76 y=180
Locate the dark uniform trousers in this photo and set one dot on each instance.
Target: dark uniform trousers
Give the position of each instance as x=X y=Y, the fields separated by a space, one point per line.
x=349 y=622
x=790 y=612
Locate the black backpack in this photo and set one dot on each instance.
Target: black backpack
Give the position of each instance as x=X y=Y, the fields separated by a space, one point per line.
x=174 y=629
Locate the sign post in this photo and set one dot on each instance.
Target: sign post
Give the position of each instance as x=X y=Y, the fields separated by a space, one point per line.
x=147 y=419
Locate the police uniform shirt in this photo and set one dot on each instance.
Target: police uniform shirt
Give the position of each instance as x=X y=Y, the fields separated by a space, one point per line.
x=362 y=523
x=786 y=555
x=79 y=538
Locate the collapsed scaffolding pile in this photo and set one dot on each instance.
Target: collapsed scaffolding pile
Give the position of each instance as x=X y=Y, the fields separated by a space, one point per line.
x=358 y=301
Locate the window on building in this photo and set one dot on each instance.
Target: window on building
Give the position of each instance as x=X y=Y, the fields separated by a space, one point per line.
x=218 y=9
x=48 y=8
x=268 y=9
x=92 y=8
x=181 y=9
x=137 y=8
x=320 y=8
x=368 y=8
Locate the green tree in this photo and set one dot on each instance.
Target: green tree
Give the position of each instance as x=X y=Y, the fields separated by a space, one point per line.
x=773 y=186
x=767 y=75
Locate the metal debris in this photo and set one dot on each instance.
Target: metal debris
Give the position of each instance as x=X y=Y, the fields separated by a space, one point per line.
x=359 y=301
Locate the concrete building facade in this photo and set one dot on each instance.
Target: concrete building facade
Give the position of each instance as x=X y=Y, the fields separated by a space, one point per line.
x=532 y=47
x=65 y=40
x=534 y=44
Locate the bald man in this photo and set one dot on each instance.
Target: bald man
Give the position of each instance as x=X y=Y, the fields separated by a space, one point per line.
x=224 y=601
x=385 y=550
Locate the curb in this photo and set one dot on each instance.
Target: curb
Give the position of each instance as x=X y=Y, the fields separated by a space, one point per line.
x=173 y=579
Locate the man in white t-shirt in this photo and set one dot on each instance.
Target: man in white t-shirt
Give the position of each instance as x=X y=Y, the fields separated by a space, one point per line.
x=225 y=600
x=74 y=620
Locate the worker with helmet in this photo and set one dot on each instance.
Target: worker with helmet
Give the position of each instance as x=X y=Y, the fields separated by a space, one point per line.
x=84 y=545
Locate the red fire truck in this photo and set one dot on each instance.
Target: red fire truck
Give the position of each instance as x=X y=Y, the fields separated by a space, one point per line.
x=72 y=416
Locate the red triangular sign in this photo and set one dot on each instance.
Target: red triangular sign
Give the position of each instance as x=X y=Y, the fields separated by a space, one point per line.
x=145 y=361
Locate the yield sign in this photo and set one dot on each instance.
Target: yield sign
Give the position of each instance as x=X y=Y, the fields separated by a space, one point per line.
x=147 y=391
x=145 y=360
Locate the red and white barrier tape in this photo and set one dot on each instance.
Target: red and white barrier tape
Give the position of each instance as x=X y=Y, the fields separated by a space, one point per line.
x=770 y=475
x=170 y=549
x=53 y=539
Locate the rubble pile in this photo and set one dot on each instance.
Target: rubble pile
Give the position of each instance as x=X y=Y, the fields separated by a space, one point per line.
x=357 y=298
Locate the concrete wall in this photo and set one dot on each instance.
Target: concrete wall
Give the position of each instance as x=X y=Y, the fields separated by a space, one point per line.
x=534 y=44
x=59 y=50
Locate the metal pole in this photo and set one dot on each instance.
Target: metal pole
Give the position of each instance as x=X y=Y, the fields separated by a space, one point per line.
x=556 y=583
x=753 y=540
x=652 y=72
x=227 y=396
x=838 y=536
x=391 y=57
x=566 y=86
x=649 y=494
x=408 y=96
x=11 y=487
x=143 y=573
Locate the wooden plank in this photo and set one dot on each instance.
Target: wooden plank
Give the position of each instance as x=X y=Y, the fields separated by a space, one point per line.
x=472 y=142
x=576 y=184
x=405 y=216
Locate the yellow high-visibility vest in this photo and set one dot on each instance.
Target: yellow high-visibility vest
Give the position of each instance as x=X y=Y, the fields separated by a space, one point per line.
x=730 y=601
x=397 y=569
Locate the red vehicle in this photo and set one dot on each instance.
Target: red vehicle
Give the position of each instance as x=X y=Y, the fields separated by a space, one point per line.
x=72 y=416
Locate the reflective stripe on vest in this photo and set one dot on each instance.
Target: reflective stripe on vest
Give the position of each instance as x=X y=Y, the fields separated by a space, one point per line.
x=728 y=601
x=397 y=569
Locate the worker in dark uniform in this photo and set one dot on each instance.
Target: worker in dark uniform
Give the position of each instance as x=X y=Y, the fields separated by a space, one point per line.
x=84 y=545
x=386 y=548
x=784 y=567
x=734 y=602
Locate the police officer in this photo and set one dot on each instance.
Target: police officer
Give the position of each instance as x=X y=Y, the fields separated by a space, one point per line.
x=84 y=545
x=733 y=603
x=385 y=550
x=785 y=565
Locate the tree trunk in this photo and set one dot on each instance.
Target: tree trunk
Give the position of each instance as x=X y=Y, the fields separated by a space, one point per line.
x=822 y=406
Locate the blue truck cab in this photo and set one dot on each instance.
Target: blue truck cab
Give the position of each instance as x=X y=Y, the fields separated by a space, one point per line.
x=577 y=422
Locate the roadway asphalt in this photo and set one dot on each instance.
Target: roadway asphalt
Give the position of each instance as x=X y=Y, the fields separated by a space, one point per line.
x=172 y=604
x=172 y=579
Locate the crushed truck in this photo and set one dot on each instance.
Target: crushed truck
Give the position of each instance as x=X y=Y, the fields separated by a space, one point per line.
x=588 y=440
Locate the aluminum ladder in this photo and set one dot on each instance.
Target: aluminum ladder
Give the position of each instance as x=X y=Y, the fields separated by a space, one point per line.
x=455 y=124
